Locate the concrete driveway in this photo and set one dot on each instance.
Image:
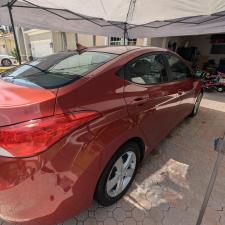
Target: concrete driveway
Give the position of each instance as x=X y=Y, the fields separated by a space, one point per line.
x=171 y=182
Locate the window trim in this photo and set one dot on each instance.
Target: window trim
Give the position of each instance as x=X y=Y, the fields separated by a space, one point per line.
x=123 y=69
x=132 y=41
x=115 y=42
x=170 y=76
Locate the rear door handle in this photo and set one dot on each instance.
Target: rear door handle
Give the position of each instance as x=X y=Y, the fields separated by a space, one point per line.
x=180 y=92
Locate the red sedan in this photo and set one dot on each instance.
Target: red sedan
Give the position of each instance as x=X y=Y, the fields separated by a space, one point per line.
x=74 y=126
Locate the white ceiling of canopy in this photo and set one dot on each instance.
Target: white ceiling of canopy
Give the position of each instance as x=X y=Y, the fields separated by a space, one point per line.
x=107 y=17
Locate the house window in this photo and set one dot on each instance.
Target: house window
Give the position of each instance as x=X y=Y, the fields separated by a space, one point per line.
x=132 y=41
x=119 y=41
x=115 y=41
x=218 y=49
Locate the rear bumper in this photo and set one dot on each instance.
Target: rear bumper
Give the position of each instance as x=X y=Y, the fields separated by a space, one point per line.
x=45 y=189
x=40 y=202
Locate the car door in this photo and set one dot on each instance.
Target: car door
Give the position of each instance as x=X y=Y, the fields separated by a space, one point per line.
x=182 y=78
x=151 y=100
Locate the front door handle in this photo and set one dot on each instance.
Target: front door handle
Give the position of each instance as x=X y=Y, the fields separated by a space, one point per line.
x=140 y=100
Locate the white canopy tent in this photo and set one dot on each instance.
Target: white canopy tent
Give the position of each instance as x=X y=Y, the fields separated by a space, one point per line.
x=120 y=18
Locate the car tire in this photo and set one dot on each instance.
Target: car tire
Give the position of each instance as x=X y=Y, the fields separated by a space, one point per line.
x=197 y=105
x=6 y=62
x=220 y=89
x=114 y=183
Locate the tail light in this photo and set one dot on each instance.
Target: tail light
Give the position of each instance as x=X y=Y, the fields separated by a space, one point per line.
x=34 y=137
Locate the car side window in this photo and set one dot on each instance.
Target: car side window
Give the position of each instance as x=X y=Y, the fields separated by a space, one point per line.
x=146 y=70
x=178 y=69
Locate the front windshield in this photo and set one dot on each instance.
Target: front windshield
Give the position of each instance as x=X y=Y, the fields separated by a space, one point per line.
x=56 y=70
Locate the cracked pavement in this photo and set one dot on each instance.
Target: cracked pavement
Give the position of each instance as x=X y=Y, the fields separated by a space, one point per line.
x=172 y=180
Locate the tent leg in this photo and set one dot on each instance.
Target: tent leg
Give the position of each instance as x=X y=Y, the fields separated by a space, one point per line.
x=94 y=40
x=220 y=148
x=14 y=33
x=125 y=33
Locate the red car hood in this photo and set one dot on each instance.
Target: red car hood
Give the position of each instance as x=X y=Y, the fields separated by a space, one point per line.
x=20 y=104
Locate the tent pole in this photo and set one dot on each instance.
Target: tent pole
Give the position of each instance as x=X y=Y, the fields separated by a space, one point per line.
x=14 y=33
x=130 y=13
x=125 y=33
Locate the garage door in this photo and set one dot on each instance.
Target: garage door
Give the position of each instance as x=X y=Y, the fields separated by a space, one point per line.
x=41 y=48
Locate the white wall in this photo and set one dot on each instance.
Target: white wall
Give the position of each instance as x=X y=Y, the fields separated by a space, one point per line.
x=157 y=42
x=41 y=36
x=40 y=44
x=86 y=40
x=100 y=40
x=3 y=47
x=204 y=46
x=20 y=38
x=162 y=42
x=27 y=46
x=71 y=41
x=179 y=40
x=57 y=42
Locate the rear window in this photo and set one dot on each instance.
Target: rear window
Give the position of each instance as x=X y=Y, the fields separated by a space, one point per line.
x=56 y=70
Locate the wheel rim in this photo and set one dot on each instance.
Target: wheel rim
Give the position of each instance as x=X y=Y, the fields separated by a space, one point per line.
x=121 y=174
x=220 y=89
x=197 y=103
x=6 y=62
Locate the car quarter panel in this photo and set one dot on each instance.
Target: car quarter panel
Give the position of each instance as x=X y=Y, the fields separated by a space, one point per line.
x=52 y=186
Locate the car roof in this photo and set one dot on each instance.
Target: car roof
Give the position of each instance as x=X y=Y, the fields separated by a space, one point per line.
x=117 y=50
x=123 y=49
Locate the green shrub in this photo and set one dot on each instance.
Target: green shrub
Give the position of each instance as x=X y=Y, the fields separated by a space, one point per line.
x=14 y=53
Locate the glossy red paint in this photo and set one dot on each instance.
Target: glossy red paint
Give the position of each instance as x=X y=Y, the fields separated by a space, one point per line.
x=19 y=104
x=60 y=182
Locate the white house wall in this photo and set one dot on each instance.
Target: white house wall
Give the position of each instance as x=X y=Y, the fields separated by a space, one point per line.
x=57 y=42
x=86 y=40
x=204 y=46
x=71 y=42
x=100 y=40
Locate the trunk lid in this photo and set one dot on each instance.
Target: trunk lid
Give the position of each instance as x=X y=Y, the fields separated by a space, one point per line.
x=20 y=104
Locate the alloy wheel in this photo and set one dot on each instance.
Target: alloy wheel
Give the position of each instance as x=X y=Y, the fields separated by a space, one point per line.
x=6 y=62
x=121 y=174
